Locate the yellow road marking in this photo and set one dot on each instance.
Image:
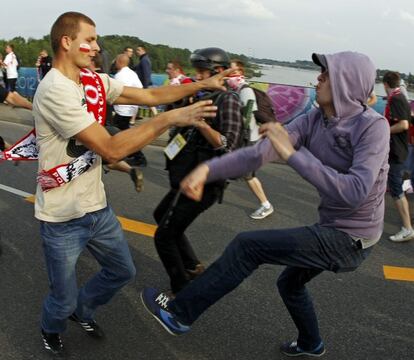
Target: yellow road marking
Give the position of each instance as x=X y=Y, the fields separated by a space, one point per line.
x=398 y=273
x=30 y=199
x=390 y=272
x=127 y=224
x=137 y=226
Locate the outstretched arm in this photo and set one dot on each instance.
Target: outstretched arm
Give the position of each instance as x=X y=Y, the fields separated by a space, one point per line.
x=231 y=165
x=115 y=148
x=169 y=94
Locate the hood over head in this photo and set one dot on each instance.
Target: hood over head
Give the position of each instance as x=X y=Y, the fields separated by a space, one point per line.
x=352 y=77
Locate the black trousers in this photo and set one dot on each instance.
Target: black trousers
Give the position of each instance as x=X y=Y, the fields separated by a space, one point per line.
x=173 y=247
x=122 y=123
x=11 y=84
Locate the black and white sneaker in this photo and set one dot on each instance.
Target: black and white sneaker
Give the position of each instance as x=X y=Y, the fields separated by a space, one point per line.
x=52 y=343
x=291 y=348
x=91 y=327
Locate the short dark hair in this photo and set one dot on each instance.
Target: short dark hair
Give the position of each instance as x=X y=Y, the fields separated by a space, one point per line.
x=392 y=79
x=176 y=65
x=128 y=47
x=239 y=63
x=67 y=24
x=11 y=46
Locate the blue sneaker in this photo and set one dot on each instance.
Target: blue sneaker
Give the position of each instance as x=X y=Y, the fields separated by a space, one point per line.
x=157 y=305
x=291 y=348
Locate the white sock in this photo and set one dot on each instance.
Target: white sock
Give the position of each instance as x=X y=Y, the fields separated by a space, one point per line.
x=266 y=204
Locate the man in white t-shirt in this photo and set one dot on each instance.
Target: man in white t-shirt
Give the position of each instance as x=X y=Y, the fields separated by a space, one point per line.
x=76 y=215
x=11 y=63
x=125 y=114
x=128 y=77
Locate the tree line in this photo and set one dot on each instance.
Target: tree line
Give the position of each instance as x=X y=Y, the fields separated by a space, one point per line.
x=28 y=51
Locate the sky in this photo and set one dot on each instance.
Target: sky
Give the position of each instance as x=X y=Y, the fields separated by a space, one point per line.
x=286 y=30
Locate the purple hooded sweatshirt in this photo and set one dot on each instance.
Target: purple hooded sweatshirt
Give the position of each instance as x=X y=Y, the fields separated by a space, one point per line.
x=344 y=157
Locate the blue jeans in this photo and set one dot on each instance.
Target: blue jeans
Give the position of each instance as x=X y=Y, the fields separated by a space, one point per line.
x=306 y=251
x=409 y=163
x=99 y=232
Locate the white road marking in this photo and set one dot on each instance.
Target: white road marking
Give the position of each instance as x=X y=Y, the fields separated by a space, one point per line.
x=15 y=191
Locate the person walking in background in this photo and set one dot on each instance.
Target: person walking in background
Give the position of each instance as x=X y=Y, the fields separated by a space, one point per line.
x=10 y=63
x=126 y=76
x=398 y=114
x=135 y=174
x=176 y=77
x=3 y=74
x=124 y=113
x=341 y=148
x=129 y=51
x=144 y=70
x=238 y=83
x=176 y=74
x=43 y=64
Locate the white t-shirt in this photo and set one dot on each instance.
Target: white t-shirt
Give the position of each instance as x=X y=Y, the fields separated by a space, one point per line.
x=11 y=65
x=60 y=112
x=247 y=94
x=127 y=77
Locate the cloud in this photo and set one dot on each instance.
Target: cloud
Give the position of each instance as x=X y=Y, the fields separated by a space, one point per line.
x=407 y=16
x=217 y=10
x=183 y=22
x=255 y=9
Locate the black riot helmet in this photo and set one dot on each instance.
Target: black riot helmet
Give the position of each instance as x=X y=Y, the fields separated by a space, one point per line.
x=210 y=58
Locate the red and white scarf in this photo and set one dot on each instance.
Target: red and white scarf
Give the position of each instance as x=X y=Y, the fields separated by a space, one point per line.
x=26 y=148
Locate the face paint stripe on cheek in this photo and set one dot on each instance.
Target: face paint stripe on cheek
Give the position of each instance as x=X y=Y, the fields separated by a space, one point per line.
x=85 y=48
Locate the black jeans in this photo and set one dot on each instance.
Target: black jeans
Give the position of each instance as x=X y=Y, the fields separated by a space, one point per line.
x=11 y=84
x=122 y=123
x=172 y=245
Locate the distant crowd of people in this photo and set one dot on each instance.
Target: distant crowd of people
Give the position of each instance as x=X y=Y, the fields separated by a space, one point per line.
x=345 y=149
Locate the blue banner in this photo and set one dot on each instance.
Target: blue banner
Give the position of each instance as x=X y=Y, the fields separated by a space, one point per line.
x=27 y=81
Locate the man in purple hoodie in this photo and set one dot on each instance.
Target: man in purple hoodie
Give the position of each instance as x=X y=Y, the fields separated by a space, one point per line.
x=341 y=148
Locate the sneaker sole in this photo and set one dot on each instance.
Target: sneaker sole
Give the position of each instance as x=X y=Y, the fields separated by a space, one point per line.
x=156 y=317
x=304 y=354
x=402 y=240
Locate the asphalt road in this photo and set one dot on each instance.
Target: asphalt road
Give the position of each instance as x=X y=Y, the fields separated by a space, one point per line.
x=362 y=314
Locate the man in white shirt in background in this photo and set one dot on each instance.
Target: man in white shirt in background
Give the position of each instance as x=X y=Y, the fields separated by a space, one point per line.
x=10 y=63
x=128 y=77
x=125 y=114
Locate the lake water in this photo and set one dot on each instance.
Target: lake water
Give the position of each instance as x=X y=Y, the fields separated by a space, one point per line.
x=300 y=77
